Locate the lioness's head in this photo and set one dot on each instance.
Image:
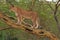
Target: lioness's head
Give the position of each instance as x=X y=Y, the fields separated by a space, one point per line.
x=13 y=8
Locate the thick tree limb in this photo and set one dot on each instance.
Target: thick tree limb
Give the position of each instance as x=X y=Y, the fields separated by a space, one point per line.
x=38 y=32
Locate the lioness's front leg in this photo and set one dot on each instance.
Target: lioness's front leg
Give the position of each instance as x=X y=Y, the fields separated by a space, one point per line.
x=19 y=20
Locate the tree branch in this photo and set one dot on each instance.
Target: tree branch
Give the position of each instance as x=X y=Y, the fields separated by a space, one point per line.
x=55 y=16
x=5 y=28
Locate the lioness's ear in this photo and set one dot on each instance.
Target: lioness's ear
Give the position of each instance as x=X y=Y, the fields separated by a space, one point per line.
x=12 y=5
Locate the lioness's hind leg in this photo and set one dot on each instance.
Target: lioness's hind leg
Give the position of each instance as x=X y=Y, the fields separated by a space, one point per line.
x=37 y=24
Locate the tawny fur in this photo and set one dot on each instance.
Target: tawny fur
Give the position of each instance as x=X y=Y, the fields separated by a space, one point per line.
x=20 y=13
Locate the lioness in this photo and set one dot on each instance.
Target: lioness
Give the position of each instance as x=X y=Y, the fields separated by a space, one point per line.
x=21 y=14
